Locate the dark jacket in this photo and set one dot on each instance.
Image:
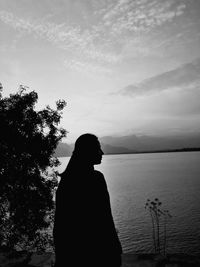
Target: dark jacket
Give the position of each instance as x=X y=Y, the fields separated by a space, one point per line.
x=84 y=229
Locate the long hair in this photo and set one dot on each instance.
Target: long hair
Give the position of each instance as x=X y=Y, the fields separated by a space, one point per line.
x=81 y=154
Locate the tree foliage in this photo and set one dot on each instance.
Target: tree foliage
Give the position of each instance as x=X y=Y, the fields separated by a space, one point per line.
x=28 y=139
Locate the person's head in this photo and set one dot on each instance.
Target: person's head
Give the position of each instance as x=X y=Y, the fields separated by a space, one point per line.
x=88 y=149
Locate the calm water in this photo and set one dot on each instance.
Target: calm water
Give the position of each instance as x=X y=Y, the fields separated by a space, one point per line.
x=174 y=178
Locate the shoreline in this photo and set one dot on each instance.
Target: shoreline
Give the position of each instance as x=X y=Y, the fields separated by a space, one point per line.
x=158 y=151
x=46 y=259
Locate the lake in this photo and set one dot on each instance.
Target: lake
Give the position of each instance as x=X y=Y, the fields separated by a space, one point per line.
x=174 y=178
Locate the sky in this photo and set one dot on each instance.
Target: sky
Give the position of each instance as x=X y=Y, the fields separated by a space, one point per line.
x=123 y=66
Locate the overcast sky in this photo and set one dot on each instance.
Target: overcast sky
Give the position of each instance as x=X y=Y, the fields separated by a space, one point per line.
x=123 y=66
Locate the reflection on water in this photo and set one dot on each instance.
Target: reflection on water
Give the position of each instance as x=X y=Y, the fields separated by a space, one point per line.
x=174 y=178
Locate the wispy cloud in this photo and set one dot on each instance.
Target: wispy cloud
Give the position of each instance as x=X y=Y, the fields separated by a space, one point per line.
x=130 y=24
x=141 y=15
x=119 y=31
x=65 y=36
x=186 y=76
x=69 y=38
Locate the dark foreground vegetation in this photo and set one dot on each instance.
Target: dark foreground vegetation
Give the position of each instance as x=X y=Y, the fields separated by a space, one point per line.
x=28 y=139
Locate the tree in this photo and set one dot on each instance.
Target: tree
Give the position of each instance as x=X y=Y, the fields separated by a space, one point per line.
x=28 y=178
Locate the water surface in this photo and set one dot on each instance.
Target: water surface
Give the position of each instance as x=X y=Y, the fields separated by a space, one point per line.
x=174 y=178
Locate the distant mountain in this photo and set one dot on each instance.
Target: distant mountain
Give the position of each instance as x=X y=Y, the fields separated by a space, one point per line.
x=137 y=144
x=152 y=143
x=108 y=149
x=65 y=150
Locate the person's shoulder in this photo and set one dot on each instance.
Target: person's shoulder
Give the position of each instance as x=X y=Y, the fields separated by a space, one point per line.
x=100 y=178
x=99 y=174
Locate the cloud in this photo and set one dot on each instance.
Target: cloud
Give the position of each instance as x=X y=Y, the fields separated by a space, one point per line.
x=186 y=76
x=175 y=104
x=120 y=31
x=129 y=25
x=114 y=19
x=61 y=34
x=141 y=15
x=80 y=43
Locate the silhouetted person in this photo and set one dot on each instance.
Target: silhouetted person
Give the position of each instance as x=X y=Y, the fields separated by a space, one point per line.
x=84 y=230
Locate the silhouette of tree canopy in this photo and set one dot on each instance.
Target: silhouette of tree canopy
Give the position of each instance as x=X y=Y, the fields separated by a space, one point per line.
x=28 y=139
